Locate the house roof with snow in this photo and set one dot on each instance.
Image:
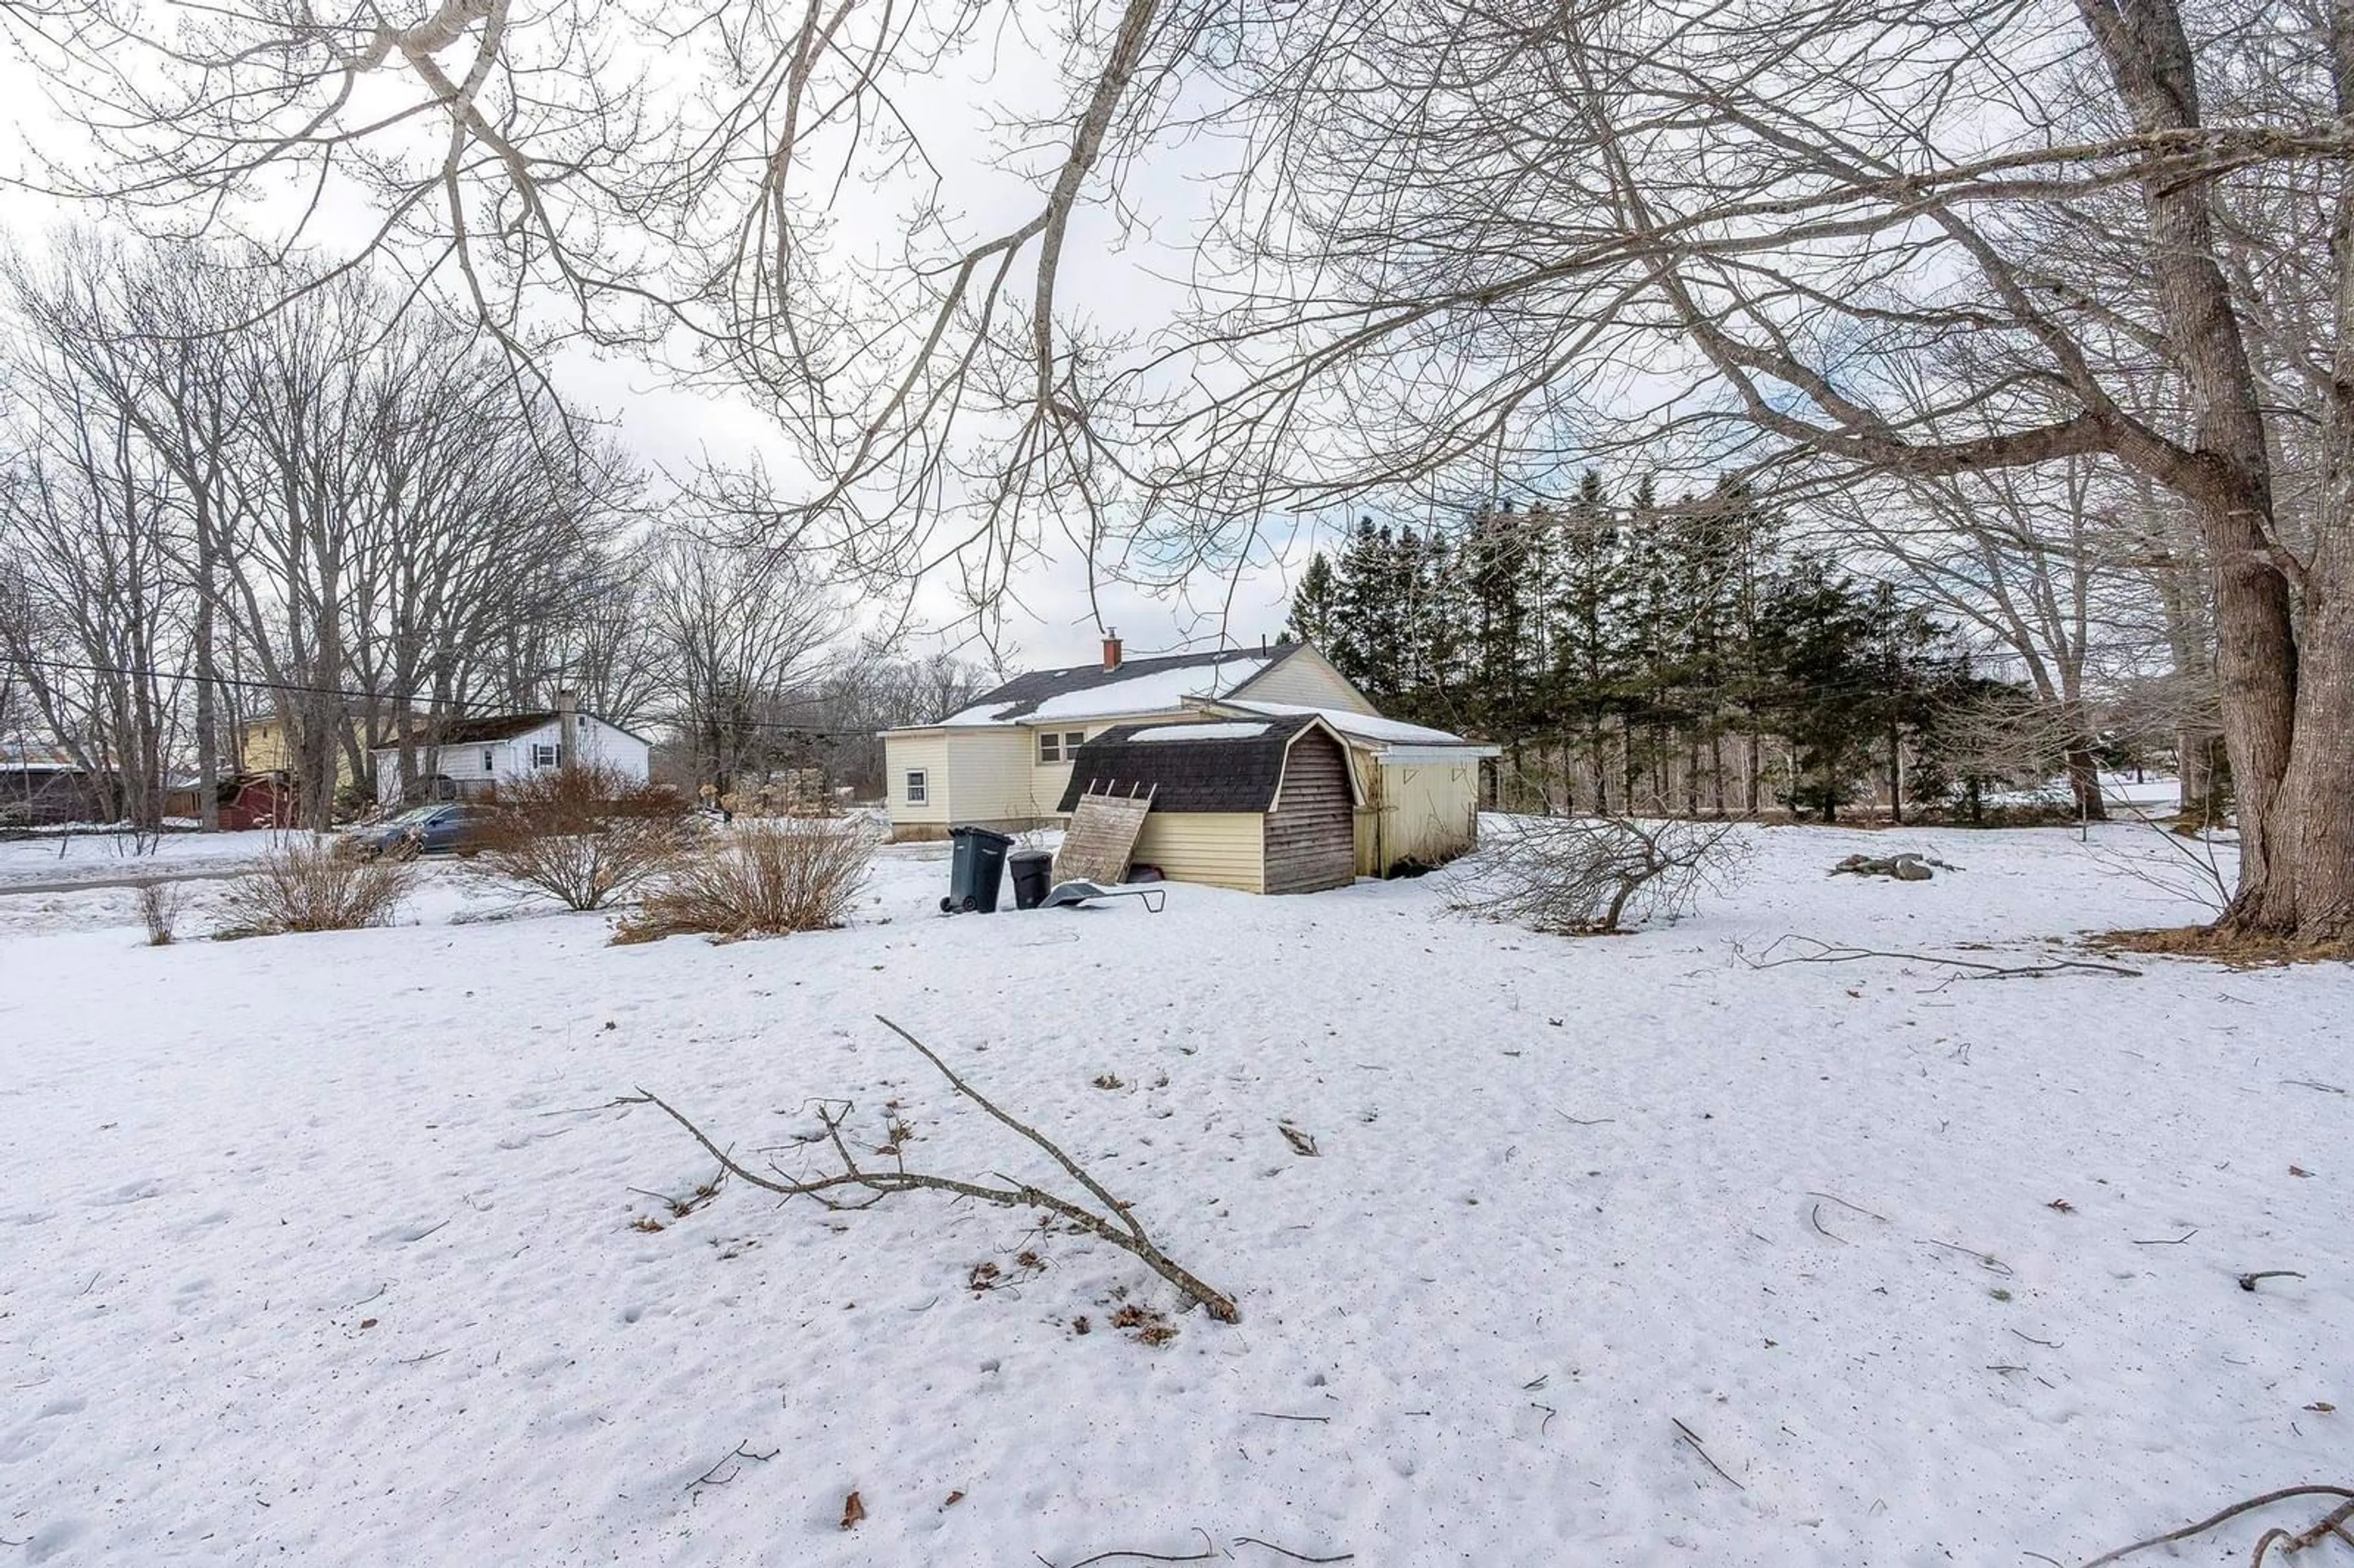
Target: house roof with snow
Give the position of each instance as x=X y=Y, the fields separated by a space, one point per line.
x=491 y=728
x=1215 y=766
x=1157 y=684
x=25 y=754
x=1366 y=729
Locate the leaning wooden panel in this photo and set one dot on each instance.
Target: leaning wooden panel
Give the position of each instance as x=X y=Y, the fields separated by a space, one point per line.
x=1101 y=838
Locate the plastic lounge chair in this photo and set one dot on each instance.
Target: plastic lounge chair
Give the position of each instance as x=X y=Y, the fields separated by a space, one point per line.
x=1071 y=895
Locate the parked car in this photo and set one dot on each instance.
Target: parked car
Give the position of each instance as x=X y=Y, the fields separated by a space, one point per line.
x=451 y=827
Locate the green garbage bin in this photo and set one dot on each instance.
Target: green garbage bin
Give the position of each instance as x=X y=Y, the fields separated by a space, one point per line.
x=975 y=868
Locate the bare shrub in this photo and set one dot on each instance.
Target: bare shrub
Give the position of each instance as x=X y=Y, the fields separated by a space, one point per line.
x=308 y=887
x=161 y=904
x=765 y=879
x=2174 y=863
x=584 y=836
x=1587 y=875
x=856 y=1186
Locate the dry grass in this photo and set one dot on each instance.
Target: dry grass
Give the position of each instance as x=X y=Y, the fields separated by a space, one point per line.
x=767 y=878
x=310 y=887
x=2240 y=952
x=585 y=836
x=161 y=904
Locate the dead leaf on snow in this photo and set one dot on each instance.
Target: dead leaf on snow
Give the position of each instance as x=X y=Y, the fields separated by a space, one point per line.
x=853 y=1510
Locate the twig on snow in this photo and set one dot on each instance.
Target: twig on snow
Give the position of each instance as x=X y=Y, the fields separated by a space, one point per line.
x=2237 y=1509
x=2331 y=1523
x=1686 y=1434
x=1986 y=1259
x=1816 y=952
x=1112 y=1223
x=1816 y=1215
x=2166 y=1241
x=1278 y=1415
x=1842 y=1202
x=2314 y=1084
x=1209 y=1549
x=2248 y=1281
x=712 y=1477
x=1287 y=1552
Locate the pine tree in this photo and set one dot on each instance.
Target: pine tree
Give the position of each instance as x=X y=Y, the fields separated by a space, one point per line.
x=1315 y=604
x=1585 y=604
x=1357 y=604
x=1814 y=677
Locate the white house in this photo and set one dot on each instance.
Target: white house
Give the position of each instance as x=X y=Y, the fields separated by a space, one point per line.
x=1004 y=761
x=471 y=756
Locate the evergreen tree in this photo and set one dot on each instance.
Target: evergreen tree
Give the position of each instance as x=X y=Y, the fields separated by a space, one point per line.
x=1813 y=680
x=1585 y=604
x=1356 y=598
x=1315 y=604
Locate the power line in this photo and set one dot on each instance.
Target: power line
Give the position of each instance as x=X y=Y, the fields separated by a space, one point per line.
x=436 y=704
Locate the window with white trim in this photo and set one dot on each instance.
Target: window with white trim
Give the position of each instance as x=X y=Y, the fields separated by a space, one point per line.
x=1060 y=745
x=489 y=763
x=918 y=787
x=544 y=755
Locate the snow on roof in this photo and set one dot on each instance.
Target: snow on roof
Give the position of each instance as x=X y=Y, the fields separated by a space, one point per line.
x=1200 y=732
x=1159 y=685
x=1357 y=727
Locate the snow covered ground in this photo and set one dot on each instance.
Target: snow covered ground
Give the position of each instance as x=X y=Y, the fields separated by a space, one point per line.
x=320 y=1249
x=107 y=855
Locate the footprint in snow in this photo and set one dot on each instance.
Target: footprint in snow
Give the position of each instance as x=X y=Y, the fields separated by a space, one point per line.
x=129 y=1193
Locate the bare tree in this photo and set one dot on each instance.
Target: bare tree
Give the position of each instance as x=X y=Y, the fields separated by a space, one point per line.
x=739 y=632
x=1840 y=241
x=93 y=610
x=2028 y=558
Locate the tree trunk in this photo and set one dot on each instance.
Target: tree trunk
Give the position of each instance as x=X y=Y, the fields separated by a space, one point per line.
x=2085 y=783
x=2151 y=59
x=2308 y=891
x=207 y=721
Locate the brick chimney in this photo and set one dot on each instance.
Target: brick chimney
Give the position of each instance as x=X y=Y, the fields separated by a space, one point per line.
x=1111 y=649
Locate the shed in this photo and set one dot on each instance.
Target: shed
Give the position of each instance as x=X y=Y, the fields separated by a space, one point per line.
x=1262 y=805
x=1419 y=786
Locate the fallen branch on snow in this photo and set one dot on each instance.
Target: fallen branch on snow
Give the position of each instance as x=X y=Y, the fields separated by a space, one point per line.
x=1686 y=1434
x=1808 y=950
x=1909 y=866
x=1209 y=1550
x=2332 y=1524
x=1113 y=1223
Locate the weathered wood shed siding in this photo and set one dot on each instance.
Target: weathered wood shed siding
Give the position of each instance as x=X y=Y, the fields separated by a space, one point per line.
x=1310 y=834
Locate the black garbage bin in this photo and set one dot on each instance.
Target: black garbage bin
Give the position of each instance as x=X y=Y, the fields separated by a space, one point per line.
x=1033 y=870
x=975 y=869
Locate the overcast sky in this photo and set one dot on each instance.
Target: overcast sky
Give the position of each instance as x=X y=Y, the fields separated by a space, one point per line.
x=1052 y=620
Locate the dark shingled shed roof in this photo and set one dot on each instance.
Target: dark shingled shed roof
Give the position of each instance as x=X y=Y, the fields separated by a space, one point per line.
x=1214 y=774
x=1021 y=696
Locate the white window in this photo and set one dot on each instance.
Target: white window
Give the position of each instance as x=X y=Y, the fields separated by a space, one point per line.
x=489 y=764
x=1060 y=745
x=918 y=787
x=546 y=756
